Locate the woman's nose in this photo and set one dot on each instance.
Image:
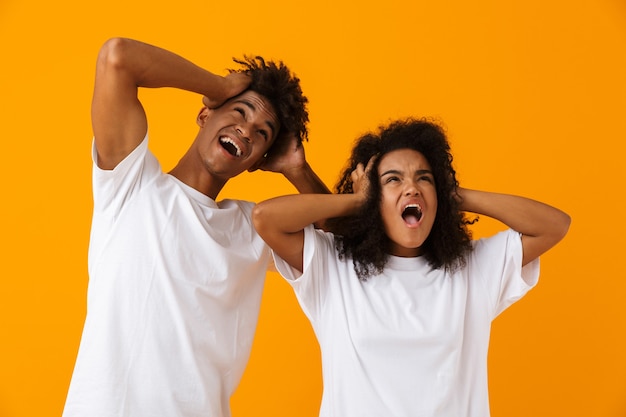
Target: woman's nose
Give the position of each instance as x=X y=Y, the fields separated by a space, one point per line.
x=411 y=189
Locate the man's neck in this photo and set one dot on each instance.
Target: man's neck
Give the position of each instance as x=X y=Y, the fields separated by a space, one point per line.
x=199 y=179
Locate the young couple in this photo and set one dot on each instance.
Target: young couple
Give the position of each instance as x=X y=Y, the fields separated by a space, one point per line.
x=400 y=297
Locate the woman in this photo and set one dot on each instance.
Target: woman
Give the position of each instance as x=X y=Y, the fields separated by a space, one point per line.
x=400 y=298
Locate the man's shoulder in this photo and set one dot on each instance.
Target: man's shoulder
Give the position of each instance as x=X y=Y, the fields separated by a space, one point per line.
x=234 y=202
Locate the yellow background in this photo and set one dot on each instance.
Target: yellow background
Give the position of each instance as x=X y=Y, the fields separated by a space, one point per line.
x=532 y=94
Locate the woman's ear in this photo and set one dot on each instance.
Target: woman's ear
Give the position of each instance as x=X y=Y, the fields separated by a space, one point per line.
x=203 y=115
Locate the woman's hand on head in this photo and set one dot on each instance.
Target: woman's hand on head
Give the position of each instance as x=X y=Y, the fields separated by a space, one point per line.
x=457 y=194
x=360 y=178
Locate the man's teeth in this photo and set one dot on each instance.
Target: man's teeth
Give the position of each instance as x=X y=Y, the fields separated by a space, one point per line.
x=231 y=146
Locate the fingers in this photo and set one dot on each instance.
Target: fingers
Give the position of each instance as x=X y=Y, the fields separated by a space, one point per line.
x=233 y=84
x=284 y=156
x=370 y=163
x=357 y=174
x=361 y=170
x=360 y=176
x=357 y=171
x=237 y=82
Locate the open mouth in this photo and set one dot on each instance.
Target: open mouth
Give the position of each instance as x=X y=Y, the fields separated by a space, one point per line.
x=412 y=214
x=230 y=146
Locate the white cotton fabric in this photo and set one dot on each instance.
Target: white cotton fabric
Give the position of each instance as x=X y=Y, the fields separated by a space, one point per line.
x=413 y=341
x=175 y=283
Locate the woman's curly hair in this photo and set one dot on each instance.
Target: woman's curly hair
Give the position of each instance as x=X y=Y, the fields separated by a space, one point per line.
x=362 y=236
x=275 y=82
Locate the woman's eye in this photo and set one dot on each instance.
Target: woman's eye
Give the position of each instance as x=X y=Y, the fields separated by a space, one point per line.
x=240 y=111
x=264 y=134
x=391 y=179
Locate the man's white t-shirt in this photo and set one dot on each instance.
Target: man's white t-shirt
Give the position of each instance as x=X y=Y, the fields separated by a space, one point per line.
x=175 y=283
x=413 y=341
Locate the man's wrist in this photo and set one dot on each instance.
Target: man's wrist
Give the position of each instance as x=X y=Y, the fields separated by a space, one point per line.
x=305 y=179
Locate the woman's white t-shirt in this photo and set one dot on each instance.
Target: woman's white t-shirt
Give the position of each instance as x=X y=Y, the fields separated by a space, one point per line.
x=413 y=341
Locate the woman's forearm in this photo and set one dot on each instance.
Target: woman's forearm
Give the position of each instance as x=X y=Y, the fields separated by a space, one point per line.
x=541 y=225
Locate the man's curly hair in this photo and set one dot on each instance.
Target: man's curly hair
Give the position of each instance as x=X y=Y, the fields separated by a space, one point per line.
x=275 y=82
x=362 y=236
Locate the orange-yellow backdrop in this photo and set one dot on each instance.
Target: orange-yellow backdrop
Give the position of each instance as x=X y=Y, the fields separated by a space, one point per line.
x=532 y=94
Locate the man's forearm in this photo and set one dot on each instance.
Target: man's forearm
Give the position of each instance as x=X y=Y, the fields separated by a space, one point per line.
x=152 y=67
x=306 y=181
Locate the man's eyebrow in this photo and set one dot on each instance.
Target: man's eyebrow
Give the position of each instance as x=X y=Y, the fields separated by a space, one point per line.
x=252 y=107
x=246 y=102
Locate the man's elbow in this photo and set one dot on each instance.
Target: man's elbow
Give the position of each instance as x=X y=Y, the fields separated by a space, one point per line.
x=114 y=54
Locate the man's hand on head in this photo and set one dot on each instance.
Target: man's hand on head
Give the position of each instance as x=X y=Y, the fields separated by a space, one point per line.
x=286 y=155
x=233 y=84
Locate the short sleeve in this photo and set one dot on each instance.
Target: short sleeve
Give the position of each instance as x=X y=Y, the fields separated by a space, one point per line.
x=497 y=262
x=112 y=188
x=311 y=285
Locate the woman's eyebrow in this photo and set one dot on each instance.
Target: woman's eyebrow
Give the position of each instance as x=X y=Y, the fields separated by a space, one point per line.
x=391 y=171
x=397 y=172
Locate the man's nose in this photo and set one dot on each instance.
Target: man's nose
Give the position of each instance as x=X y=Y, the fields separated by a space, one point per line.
x=243 y=131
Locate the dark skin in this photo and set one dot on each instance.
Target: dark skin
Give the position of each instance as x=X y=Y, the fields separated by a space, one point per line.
x=230 y=111
x=281 y=221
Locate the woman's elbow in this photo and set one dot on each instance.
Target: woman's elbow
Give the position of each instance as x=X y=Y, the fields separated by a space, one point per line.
x=257 y=215
x=562 y=224
x=260 y=219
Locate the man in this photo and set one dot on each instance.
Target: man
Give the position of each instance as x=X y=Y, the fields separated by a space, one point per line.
x=175 y=277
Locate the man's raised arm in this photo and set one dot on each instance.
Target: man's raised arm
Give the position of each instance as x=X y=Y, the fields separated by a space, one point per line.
x=118 y=118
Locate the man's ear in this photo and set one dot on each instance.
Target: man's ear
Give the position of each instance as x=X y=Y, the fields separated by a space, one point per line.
x=258 y=163
x=203 y=115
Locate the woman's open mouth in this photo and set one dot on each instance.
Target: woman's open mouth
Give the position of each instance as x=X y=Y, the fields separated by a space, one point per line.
x=412 y=214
